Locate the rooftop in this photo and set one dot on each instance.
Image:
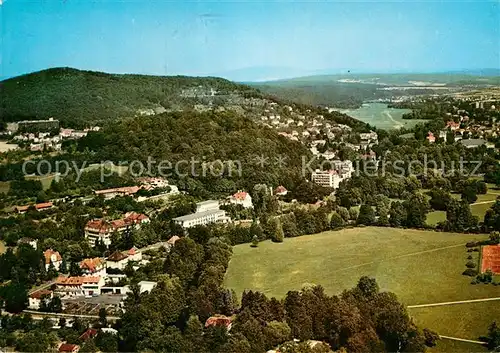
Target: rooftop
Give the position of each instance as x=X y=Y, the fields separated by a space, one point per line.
x=192 y=216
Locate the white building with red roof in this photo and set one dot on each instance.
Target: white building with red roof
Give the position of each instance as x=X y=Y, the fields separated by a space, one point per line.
x=101 y=230
x=79 y=286
x=219 y=320
x=280 y=191
x=53 y=257
x=123 y=191
x=93 y=266
x=35 y=298
x=241 y=198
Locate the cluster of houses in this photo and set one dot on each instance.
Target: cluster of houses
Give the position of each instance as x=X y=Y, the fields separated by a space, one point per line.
x=43 y=140
x=469 y=134
x=99 y=276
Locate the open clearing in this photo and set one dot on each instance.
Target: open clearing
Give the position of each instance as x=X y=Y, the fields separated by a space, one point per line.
x=2 y=247
x=419 y=266
x=469 y=321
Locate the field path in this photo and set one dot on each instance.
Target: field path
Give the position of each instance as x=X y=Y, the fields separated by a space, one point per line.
x=399 y=257
x=462 y=340
x=453 y=303
x=397 y=124
x=482 y=202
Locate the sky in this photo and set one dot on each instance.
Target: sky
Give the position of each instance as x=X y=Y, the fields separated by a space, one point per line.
x=248 y=39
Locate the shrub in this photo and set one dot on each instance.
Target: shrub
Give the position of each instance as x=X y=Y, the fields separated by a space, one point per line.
x=470 y=264
x=431 y=337
x=470 y=272
x=469 y=257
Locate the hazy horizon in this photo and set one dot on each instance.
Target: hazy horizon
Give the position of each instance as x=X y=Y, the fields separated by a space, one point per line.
x=250 y=41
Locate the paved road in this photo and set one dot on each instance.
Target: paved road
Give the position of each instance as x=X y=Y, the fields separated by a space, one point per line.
x=453 y=303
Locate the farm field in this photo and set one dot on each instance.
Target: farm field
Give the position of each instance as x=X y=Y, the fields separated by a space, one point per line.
x=419 y=266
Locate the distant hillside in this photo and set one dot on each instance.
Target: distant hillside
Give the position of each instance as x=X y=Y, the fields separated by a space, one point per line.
x=81 y=97
x=350 y=90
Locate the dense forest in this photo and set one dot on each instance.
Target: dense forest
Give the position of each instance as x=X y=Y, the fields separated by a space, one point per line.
x=203 y=138
x=82 y=97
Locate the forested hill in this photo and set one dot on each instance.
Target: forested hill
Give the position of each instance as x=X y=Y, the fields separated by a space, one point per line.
x=81 y=97
x=188 y=139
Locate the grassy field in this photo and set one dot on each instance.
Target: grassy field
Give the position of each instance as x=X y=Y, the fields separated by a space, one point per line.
x=2 y=247
x=419 y=266
x=479 y=208
x=446 y=345
x=469 y=321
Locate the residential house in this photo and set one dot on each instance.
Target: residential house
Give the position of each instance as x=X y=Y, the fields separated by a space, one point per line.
x=134 y=254
x=35 y=298
x=280 y=191
x=452 y=125
x=93 y=267
x=430 y=137
x=171 y=242
x=241 y=198
x=117 y=260
x=29 y=241
x=53 y=257
x=219 y=320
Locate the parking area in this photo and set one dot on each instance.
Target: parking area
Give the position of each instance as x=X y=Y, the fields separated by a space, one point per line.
x=91 y=306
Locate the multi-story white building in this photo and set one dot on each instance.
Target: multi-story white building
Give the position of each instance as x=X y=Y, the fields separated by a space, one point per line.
x=206 y=212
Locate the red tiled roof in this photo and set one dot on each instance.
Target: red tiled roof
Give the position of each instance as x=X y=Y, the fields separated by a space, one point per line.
x=91 y=332
x=38 y=206
x=39 y=293
x=173 y=239
x=91 y=264
x=66 y=347
x=219 y=321
x=76 y=280
x=240 y=195
x=48 y=254
x=103 y=226
x=127 y=190
x=117 y=256
x=280 y=189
